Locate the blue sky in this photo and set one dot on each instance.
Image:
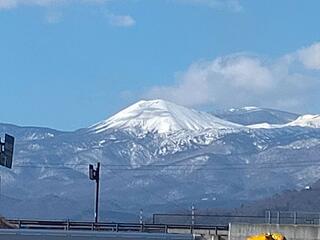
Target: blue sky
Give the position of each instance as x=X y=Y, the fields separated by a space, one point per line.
x=67 y=64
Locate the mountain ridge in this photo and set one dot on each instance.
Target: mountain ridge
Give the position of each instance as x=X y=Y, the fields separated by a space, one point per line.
x=162 y=117
x=256 y=115
x=153 y=170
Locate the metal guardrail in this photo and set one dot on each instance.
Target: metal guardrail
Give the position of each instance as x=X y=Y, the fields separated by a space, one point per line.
x=164 y=223
x=206 y=219
x=293 y=217
x=111 y=227
x=270 y=217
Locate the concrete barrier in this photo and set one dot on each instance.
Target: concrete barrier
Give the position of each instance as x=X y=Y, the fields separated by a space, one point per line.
x=25 y=234
x=291 y=232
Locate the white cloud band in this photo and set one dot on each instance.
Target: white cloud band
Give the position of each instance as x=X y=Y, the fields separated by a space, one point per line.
x=243 y=79
x=310 y=56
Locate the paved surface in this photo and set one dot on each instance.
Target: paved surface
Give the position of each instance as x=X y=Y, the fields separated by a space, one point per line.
x=23 y=234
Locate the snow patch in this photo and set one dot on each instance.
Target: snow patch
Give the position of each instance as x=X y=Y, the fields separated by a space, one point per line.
x=250 y=108
x=264 y=126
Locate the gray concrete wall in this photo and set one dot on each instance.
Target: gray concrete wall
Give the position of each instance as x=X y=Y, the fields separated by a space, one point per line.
x=22 y=234
x=291 y=232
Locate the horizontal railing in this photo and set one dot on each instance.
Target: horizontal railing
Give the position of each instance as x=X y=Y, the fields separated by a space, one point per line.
x=114 y=227
x=270 y=217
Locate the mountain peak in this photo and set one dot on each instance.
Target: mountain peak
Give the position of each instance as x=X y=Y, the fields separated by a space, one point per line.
x=307 y=120
x=162 y=117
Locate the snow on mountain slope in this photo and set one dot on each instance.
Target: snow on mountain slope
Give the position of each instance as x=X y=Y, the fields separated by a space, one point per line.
x=308 y=120
x=224 y=161
x=264 y=126
x=254 y=115
x=159 y=116
x=245 y=109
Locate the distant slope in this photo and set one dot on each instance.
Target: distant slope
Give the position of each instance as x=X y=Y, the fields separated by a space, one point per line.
x=255 y=115
x=304 y=200
x=29 y=133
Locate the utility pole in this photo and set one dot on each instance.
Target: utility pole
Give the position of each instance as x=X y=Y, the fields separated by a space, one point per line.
x=94 y=174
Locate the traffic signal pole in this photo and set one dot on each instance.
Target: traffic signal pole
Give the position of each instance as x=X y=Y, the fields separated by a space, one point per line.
x=6 y=151
x=97 y=193
x=94 y=174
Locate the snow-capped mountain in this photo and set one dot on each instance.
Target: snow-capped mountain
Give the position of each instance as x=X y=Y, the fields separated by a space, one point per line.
x=157 y=155
x=255 y=115
x=159 y=116
x=308 y=120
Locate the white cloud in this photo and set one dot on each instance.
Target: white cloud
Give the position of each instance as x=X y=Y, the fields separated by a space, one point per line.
x=55 y=17
x=121 y=20
x=9 y=4
x=242 y=79
x=310 y=56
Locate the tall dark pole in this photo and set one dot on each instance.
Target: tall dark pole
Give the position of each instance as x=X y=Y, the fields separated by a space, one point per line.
x=94 y=174
x=97 y=192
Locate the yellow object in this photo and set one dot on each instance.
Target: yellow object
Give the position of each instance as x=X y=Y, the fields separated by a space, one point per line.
x=267 y=236
x=278 y=236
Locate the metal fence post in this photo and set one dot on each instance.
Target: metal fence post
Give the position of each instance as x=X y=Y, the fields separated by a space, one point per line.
x=278 y=217
x=141 y=216
x=295 y=218
x=68 y=224
x=268 y=216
